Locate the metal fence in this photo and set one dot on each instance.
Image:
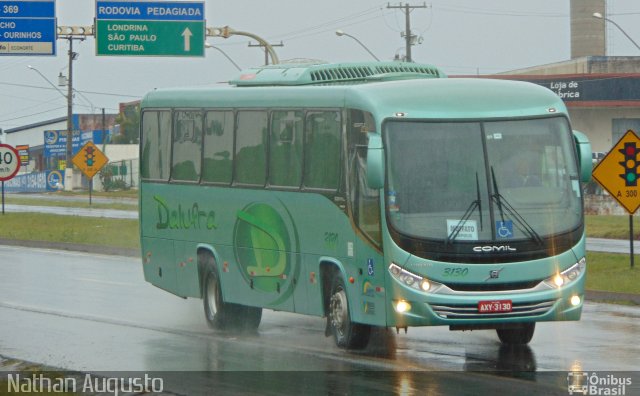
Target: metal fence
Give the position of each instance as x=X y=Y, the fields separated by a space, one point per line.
x=119 y=175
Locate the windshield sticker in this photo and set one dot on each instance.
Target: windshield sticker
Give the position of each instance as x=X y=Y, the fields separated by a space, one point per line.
x=466 y=230
x=504 y=229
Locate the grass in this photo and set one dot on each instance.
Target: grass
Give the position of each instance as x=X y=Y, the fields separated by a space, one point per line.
x=131 y=193
x=609 y=226
x=70 y=229
x=598 y=226
x=612 y=272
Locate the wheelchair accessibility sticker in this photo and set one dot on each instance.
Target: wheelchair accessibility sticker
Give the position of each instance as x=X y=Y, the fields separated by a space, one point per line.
x=504 y=229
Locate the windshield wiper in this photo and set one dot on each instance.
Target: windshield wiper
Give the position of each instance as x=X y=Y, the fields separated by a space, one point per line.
x=474 y=204
x=502 y=204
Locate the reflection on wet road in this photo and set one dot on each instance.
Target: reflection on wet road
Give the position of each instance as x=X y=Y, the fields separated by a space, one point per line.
x=96 y=313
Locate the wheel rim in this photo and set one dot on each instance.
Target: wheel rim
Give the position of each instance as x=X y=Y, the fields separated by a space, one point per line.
x=339 y=311
x=212 y=293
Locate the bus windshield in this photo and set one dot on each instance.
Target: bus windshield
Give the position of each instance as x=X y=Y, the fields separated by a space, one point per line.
x=482 y=181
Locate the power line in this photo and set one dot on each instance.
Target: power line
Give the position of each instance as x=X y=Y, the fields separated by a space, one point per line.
x=33 y=114
x=328 y=24
x=85 y=92
x=484 y=11
x=266 y=50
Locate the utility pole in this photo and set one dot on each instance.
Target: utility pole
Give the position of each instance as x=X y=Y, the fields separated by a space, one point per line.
x=266 y=51
x=407 y=34
x=68 y=172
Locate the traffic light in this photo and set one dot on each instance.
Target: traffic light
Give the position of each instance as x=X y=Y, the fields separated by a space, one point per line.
x=630 y=164
x=88 y=154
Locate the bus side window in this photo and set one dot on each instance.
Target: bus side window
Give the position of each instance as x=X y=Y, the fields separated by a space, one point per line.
x=218 y=147
x=251 y=148
x=322 y=154
x=285 y=154
x=187 y=144
x=156 y=141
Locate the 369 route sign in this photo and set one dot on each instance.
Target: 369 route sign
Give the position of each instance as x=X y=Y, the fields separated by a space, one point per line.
x=9 y=162
x=618 y=172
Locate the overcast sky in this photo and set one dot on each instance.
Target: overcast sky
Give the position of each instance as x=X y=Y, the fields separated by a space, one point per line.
x=459 y=36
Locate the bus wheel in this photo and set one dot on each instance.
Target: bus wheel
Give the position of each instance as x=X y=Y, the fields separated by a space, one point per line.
x=248 y=318
x=222 y=315
x=517 y=336
x=216 y=311
x=346 y=334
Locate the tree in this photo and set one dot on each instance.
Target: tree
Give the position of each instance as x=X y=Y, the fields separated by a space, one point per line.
x=129 y=121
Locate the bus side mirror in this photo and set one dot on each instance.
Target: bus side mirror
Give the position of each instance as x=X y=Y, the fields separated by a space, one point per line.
x=375 y=162
x=583 y=148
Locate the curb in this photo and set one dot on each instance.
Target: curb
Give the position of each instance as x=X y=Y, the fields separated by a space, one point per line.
x=611 y=297
x=73 y=247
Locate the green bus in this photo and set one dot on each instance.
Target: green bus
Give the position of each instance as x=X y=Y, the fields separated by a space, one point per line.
x=372 y=194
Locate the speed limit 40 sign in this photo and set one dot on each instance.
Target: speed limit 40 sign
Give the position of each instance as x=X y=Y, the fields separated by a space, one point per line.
x=9 y=162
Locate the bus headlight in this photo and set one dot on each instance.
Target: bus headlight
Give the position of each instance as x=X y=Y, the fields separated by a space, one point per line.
x=402 y=306
x=412 y=280
x=567 y=276
x=575 y=300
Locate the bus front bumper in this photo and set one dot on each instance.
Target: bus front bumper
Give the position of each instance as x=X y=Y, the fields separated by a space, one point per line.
x=485 y=310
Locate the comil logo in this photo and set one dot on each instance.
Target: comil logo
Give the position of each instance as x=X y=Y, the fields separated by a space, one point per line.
x=584 y=383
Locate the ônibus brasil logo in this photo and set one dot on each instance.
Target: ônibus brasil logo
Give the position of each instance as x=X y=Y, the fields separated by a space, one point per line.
x=583 y=383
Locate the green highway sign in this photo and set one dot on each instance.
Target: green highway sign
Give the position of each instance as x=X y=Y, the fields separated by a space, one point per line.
x=150 y=28
x=150 y=38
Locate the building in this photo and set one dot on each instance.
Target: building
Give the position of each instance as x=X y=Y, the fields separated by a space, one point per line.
x=46 y=154
x=602 y=94
x=45 y=143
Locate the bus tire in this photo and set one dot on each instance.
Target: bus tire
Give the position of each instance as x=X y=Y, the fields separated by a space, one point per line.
x=517 y=336
x=248 y=318
x=347 y=335
x=216 y=311
x=221 y=315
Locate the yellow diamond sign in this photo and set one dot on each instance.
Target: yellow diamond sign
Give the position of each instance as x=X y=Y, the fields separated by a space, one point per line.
x=90 y=159
x=618 y=172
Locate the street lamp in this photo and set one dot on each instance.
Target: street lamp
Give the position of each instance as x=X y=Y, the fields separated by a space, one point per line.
x=600 y=16
x=47 y=80
x=207 y=45
x=340 y=33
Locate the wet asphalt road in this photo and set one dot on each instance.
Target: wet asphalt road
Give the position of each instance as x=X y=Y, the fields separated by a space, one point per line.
x=95 y=313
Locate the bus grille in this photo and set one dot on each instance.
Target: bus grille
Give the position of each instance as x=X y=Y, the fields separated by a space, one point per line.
x=407 y=68
x=351 y=73
x=468 y=311
x=489 y=287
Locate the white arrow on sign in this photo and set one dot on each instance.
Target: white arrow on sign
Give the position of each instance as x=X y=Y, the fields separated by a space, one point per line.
x=187 y=39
